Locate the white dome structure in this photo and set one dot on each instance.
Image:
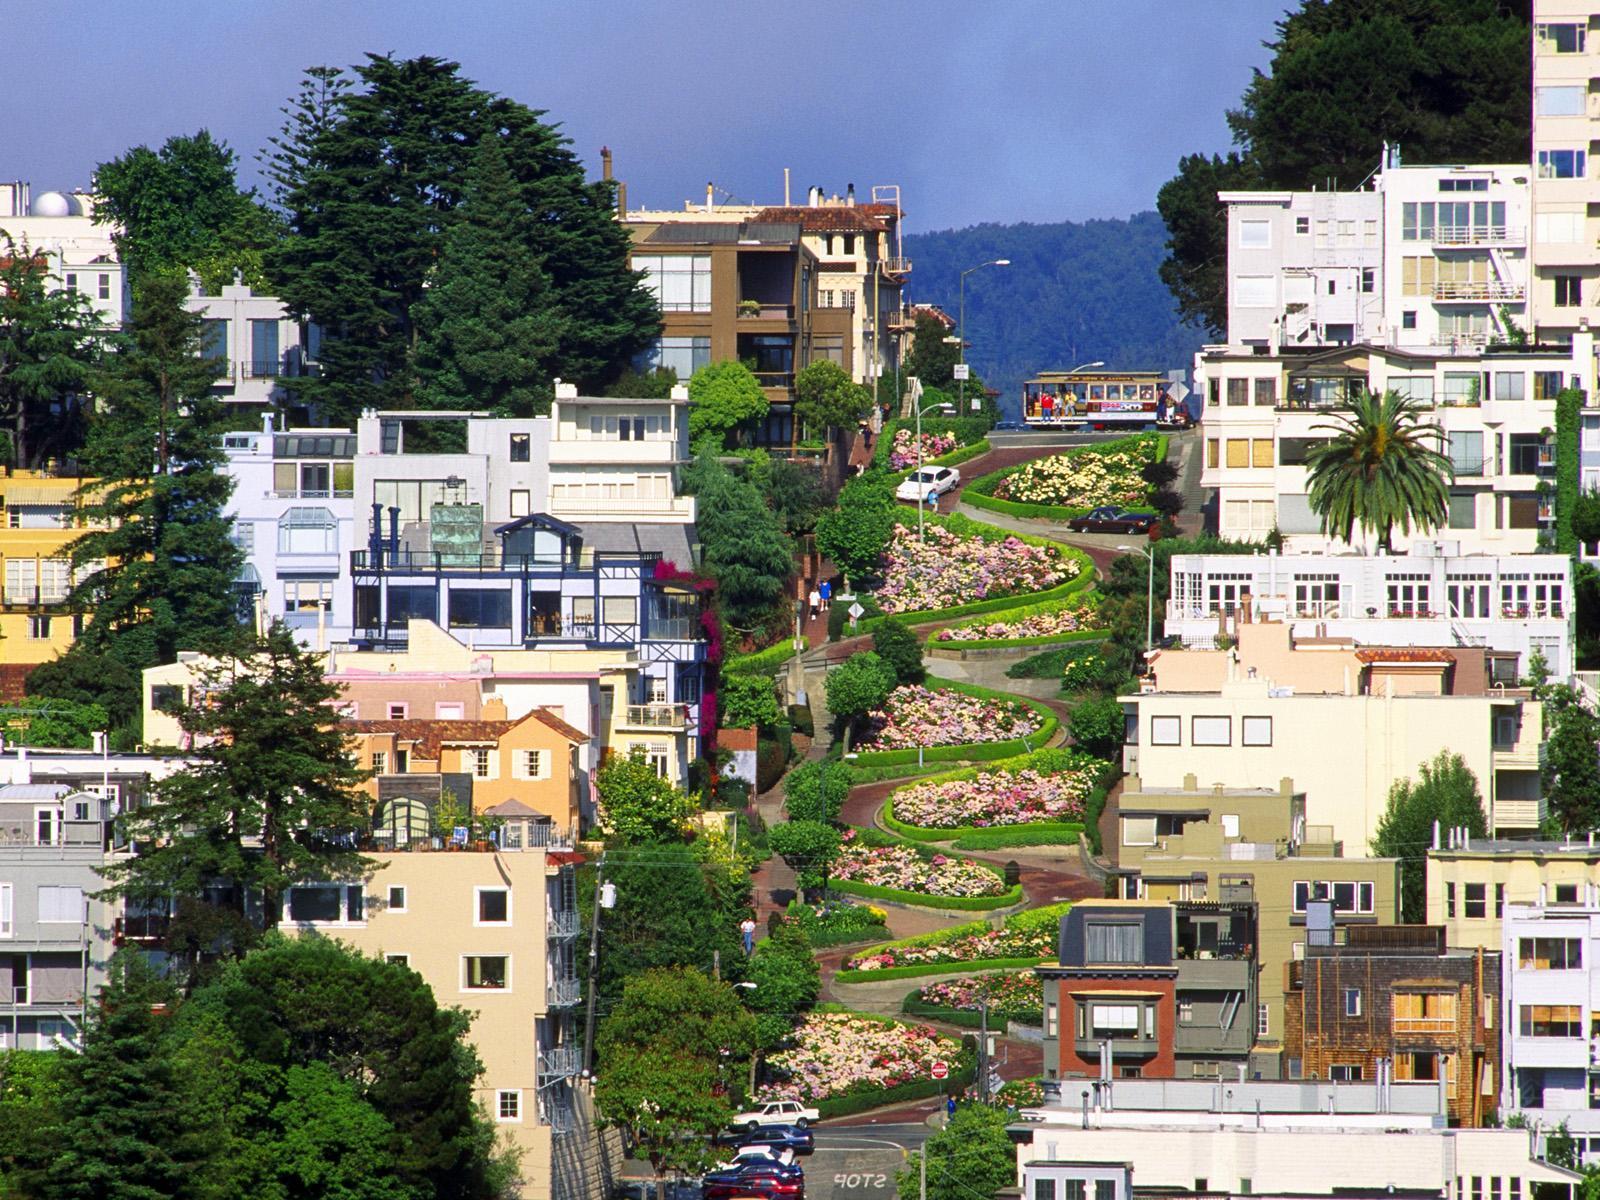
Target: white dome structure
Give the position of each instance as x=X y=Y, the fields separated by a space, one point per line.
x=54 y=204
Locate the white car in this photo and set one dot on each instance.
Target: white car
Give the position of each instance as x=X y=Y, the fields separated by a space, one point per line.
x=760 y=1153
x=928 y=484
x=775 y=1112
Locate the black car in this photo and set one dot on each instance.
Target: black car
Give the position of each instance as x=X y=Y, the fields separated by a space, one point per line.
x=770 y=1180
x=779 y=1137
x=1108 y=518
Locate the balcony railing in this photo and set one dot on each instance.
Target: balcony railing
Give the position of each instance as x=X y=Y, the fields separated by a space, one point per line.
x=895 y=266
x=561 y=924
x=775 y=379
x=562 y=993
x=656 y=716
x=1478 y=293
x=673 y=629
x=1477 y=235
x=1329 y=610
x=261 y=369
x=900 y=319
x=1424 y=1024
x=760 y=310
x=559 y=1062
x=427 y=562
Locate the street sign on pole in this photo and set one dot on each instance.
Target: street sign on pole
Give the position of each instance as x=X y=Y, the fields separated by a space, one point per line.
x=940 y=1070
x=962 y=371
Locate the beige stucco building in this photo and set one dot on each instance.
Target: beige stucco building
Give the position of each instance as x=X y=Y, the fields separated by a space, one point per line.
x=1471 y=880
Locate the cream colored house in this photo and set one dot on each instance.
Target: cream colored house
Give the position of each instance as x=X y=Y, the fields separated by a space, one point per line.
x=1471 y=880
x=492 y=933
x=1345 y=721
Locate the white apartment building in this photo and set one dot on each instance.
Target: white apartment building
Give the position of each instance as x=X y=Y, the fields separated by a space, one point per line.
x=1115 y=1138
x=1566 y=127
x=1514 y=604
x=1551 y=969
x=81 y=254
x=254 y=338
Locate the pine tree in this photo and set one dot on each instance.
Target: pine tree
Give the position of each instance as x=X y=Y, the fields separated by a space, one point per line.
x=487 y=331
x=270 y=799
x=161 y=564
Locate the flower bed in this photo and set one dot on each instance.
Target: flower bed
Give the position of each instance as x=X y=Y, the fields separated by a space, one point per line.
x=1067 y=485
x=1021 y=1093
x=1025 y=939
x=917 y=716
x=946 y=568
x=1076 y=617
x=1010 y=995
x=903 y=869
x=903 y=448
x=1053 y=791
x=837 y=1054
x=836 y=923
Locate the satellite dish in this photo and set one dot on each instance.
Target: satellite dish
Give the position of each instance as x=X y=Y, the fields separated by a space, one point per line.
x=53 y=204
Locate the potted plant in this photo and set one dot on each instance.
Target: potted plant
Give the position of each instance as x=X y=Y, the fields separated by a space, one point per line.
x=749 y=308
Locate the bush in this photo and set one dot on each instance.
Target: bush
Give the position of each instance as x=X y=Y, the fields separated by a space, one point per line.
x=1013 y=873
x=858 y=1102
x=1063 y=834
x=922 y=900
x=955 y=968
x=1097 y=727
x=770 y=761
x=748 y=699
x=980 y=492
x=1051 y=664
x=837 y=923
x=1047 y=761
x=815 y=791
x=894 y=642
x=800 y=719
x=767 y=660
x=839 y=617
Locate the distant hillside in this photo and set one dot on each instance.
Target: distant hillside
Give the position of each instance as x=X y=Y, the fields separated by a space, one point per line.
x=1072 y=294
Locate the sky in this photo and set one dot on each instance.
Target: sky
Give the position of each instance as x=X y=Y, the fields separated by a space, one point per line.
x=994 y=111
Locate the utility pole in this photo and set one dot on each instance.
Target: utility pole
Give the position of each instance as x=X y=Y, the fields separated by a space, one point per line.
x=594 y=969
x=716 y=965
x=983 y=1052
x=922 y=1161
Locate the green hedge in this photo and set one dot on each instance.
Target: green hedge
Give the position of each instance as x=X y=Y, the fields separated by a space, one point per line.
x=1048 y=760
x=844 y=937
x=966 y=1018
x=1037 y=609
x=1040 y=834
x=1012 y=895
x=879 y=774
x=970 y=751
x=980 y=492
x=769 y=659
x=1569 y=402
x=858 y=1102
x=949 y=968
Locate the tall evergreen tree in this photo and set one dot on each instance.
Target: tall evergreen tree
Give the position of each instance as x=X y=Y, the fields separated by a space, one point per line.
x=158 y=559
x=487 y=332
x=270 y=799
x=50 y=341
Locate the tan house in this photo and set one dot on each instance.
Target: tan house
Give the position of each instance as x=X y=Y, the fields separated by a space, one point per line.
x=532 y=760
x=1471 y=880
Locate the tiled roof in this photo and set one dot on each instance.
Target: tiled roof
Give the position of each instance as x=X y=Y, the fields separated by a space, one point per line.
x=429 y=735
x=569 y=732
x=1415 y=654
x=824 y=220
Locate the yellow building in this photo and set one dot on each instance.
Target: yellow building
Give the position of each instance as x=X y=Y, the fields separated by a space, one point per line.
x=1471 y=880
x=40 y=517
x=492 y=933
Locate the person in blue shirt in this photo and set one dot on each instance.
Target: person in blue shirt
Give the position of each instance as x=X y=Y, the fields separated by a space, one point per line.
x=825 y=590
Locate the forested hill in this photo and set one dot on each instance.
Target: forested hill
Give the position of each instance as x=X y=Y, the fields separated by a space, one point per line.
x=1074 y=292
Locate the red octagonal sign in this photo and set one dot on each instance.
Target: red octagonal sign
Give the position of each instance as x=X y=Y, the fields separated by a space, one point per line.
x=940 y=1070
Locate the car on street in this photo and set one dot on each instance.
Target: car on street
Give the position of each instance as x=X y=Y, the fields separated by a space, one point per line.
x=928 y=484
x=758 y=1154
x=779 y=1137
x=775 y=1112
x=1108 y=518
x=770 y=1181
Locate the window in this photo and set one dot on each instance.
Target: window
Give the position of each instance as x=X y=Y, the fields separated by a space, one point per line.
x=39 y=628
x=480 y=762
x=1449 y=899
x=397 y=898
x=1408 y=319
x=7 y=920
x=308 y=531
x=308 y=595
x=61 y=905
x=679 y=282
x=1254 y=291
x=37 y=580
x=494 y=906
x=398 y=960
x=1345 y=1073
x=521 y=447
x=1417 y=275
x=1352 y=1002
x=521 y=503
x=1476 y=901
x=533 y=764
x=1238 y=392
x=1562 y=164
x=1566 y=893
x=1302 y=225
x=1418 y=388
x=480 y=608
x=1559 y=38
x=104 y=287
x=1550 y=1020
x=1077 y=1189
x=508 y=1106
x=1294 y=451
x=1255 y=234
x=1263 y=1021
x=1266 y=392
x=1564 y=101
x=1368 y=276
x=1408 y=594
x=1255 y=731
x=1185 y=1012
x=1138 y=831
x=1113 y=1020
x=1333 y=287
x=485 y=973
x=1569 y=291
x=1261 y=452
x=380 y=762
x=1112 y=942
x=1550 y=954
x=325 y=904
x=1044 y=1189
x=1211 y=731
x=1211 y=449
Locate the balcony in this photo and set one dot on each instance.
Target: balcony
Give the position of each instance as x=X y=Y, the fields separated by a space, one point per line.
x=1212 y=1039
x=895 y=266
x=561 y=925
x=1478 y=235
x=760 y=310
x=654 y=716
x=559 y=1062
x=900 y=320
x=562 y=993
x=261 y=369
x=1485 y=292
x=673 y=629
x=1416 y=1025
x=1519 y=814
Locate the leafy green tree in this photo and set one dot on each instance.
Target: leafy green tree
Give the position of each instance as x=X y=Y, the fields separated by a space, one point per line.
x=1446 y=791
x=1380 y=467
x=50 y=722
x=809 y=847
x=1586 y=517
x=787 y=982
x=158 y=560
x=269 y=798
x=748 y=698
x=895 y=642
x=855 y=534
x=84 y=678
x=971 y=1156
x=1196 y=267
x=33 y=1088
x=638 y=805
x=856 y=687
x=487 y=335
x=796 y=494
x=180 y=208
x=51 y=340
x=654 y=384
x=1571 y=772
x=1097 y=726
x=744 y=546
x=816 y=791
x=679 y=1009
x=932 y=360
x=723 y=396
x=667 y=1106
x=825 y=397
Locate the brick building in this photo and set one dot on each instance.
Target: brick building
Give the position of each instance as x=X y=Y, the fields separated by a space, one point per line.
x=1396 y=994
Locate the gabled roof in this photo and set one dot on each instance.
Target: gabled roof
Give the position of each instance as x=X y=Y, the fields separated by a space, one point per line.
x=540 y=521
x=514 y=808
x=546 y=717
x=430 y=735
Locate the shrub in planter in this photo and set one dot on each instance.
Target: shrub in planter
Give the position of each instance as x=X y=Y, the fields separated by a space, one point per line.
x=800 y=719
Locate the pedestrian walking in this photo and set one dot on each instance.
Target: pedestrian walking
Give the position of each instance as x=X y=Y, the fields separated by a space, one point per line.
x=950 y=1106
x=747 y=930
x=815 y=600
x=825 y=591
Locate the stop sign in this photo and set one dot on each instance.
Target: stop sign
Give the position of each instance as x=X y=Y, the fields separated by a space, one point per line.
x=940 y=1070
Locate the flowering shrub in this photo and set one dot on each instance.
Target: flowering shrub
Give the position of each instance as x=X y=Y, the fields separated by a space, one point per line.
x=1021 y=1093
x=837 y=917
x=1063 y=620
x=1010 y=942
x=836 y=1053
x=998 y=798
x=1009 y=995
x=1084 y=672
x=902 y=868
x=903 y=450
x=918 y=716
x=1080 y=480
x=946 y=569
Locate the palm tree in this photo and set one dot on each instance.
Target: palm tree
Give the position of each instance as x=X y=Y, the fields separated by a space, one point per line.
x=1381 y=468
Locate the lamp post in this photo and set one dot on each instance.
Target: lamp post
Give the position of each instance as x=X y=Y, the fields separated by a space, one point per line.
x=1149 y=595
x=961 y=348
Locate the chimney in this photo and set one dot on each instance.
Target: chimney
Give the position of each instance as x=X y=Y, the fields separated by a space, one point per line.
x=622 y=201
x=1286 y=786
x=1218 y=789
x=394 y=530
x=267 y=421
x=850 y=195
x=710 y=196
x=605 y=163
x=493 y=709
x=815 y=195
x=1191 y=783
x=786 y=187
x=1436 y=835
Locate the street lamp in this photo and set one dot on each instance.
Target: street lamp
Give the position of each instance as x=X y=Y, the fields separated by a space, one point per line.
x=1149 y=595
x=962 y=323
x=1088 y=366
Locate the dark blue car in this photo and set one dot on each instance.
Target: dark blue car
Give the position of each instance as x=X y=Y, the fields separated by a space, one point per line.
x=779 y=1137
x=769 y=1179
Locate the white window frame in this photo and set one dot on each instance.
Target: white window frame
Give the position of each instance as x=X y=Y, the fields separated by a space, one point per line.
x=1352 y=1002
x=477 y=908
x=54 y=814
x=1250 y=731
x=482 y=762
x=485 y=991
x=380 y=762
x=343 y=920
x=405 y=898
x=500 y=1096
x=540 y=763
x=1212 y=729
x=1175 y=740
x=449 y=710
x=1263 y=1021
x=404 y=707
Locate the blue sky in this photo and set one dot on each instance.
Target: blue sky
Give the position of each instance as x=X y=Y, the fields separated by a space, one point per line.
x=999 y=110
